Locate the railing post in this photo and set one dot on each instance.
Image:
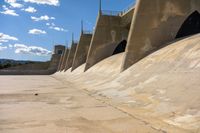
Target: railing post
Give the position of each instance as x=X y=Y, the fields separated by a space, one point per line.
x=82 y=27
x=100 y=10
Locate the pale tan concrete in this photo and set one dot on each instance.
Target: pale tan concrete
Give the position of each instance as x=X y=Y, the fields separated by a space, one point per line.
x=61 y=61
x=154 y=24
x=158 y=94
x=161 y=89
x=64 y=59
x=70 y=56
x=108 y=33
x=59 y=107
x=81 y=50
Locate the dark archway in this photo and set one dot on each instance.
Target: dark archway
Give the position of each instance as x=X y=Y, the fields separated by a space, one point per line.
x=120 y=47
x=191 y=25
x=60 y=52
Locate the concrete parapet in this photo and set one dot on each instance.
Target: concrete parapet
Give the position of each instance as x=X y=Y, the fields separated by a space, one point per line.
x=70 y=56
x=158 y=22
x=81 y=50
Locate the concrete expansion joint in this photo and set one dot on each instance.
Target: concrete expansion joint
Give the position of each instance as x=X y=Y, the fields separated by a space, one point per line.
x=124 y=112
x=110 y=105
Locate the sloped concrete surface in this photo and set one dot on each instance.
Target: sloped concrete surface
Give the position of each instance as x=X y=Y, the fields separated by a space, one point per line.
x=160 y=93
x=161 y=89
x=59 y=107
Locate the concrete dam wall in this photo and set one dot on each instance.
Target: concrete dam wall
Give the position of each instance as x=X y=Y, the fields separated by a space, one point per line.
x=144 y=28
x=158 y=22
x=144 y=62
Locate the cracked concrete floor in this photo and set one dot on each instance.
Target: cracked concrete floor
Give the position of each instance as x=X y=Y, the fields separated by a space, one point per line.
x=58 y=108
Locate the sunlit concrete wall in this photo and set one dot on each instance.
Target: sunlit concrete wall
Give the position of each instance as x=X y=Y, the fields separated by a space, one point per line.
x=60 y=62
x=70 y=56
x=110 y=30
x=64 y=60
x=155 y=23
x=82 y=50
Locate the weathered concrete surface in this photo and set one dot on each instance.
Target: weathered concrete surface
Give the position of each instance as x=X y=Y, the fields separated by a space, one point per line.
x=161 y=89
x=70 y=57
x=107 y=35
x=154 y=24
x=58 y=50
x=59 y=107
x=61 y=60
x=62 y=67
x=127 y=18
x=160 y=93
x=81 y=50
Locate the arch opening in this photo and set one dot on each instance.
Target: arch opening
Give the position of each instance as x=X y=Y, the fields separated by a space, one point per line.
x=120 y=47
x=190 y=26
x=60 y=52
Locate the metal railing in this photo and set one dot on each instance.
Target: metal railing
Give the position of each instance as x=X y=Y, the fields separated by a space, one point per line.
x=111 y=13
x=76 y=42
x=127 y=9
x=87 y=32
x=118 y=13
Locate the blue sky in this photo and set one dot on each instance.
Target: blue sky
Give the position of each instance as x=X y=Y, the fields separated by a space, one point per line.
x=30 y=28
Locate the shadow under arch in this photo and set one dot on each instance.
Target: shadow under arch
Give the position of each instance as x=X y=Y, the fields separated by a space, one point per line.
x=190 y=26
x=120 y=47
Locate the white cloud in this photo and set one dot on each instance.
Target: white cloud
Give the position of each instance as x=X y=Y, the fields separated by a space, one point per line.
x=34 y=50
x=47 y=2
x=10 y=46
x=14 y=4
x=42 y=18
x=58 y=29
x=8 y=11
x=36 y=31
x=3 y=48
x=30 y=9
x=54 y=27
x=6 y=38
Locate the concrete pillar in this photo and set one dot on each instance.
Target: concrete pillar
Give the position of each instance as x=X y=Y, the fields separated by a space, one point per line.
x=155 y=23
x=60 y=62
x=82 y=50
x=56 y=56
x=66 y=53
x=71 y=56
x=109 y=32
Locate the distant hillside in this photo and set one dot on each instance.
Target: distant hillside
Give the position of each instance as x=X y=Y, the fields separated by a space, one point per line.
x=6 y=63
